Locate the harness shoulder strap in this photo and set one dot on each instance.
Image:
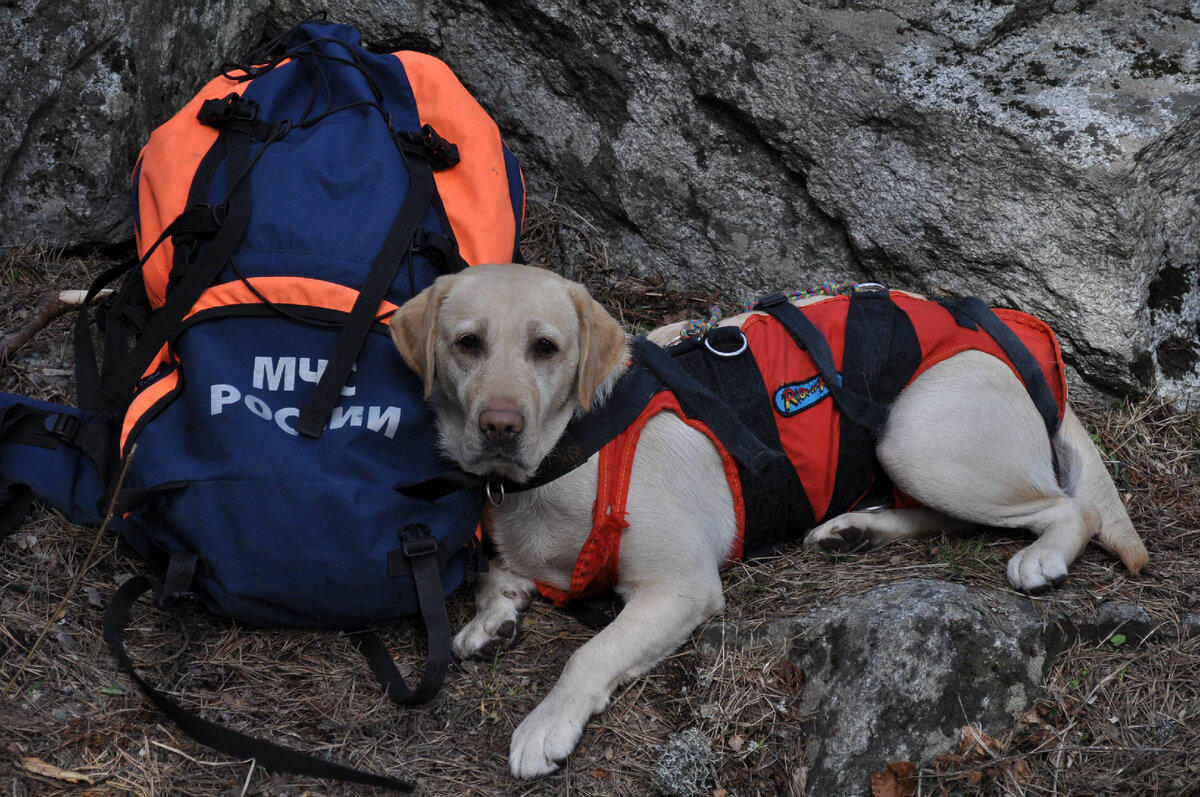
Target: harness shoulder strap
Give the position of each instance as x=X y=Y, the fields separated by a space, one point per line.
x=972 y=309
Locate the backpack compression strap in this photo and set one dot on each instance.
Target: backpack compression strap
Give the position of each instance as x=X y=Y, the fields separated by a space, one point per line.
x=224 y=740
x=422 y=153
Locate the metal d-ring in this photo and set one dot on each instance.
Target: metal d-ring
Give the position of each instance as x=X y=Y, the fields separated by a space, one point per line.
x=492 y=499
x=733 y=353
x=869 y=286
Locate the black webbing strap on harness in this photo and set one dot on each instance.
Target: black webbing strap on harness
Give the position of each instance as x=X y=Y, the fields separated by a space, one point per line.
x=880 y=355
x=861 y=409
x=701 y=403
x=972 y=313
x=881 y=352
x=225 y=740
x=776 y=505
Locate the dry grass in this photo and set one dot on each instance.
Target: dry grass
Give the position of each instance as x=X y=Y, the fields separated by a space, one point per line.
x=1114 y=720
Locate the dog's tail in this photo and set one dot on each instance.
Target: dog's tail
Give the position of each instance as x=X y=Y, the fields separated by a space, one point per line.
x=1084 y=475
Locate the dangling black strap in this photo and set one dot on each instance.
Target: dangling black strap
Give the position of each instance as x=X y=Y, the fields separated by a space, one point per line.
x=114 y=395
x=420 y=548
x=319 y=408
x=87 y=370
x=224 y=740
x=16 y=499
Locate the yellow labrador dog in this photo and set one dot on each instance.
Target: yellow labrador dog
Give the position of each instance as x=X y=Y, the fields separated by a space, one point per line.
x=509 y=354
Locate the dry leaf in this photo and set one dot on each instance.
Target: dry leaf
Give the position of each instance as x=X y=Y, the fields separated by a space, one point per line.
x=599 y=774
x=37 y=766
x=898 y=779
x=977 y=744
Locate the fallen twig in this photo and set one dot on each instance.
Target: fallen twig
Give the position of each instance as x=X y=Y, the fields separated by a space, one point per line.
x=50 y=307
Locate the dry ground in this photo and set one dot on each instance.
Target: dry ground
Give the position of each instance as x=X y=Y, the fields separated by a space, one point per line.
x=1114 y=720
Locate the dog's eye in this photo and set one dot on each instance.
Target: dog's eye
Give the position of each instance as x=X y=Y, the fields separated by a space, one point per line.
x=544 y=347
x=468 y=344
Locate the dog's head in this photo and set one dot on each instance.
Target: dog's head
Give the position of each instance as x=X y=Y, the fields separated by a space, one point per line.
x=508 y=354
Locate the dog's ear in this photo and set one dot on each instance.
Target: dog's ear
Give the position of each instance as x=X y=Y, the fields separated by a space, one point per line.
x=414 y=327
x=602 y=346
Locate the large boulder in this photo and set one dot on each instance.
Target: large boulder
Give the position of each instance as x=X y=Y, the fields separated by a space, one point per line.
x=1039 y=153
x=85 y=81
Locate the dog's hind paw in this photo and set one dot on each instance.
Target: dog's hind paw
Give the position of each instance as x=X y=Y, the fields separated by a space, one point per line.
x=836 y=536
x=1036 y=570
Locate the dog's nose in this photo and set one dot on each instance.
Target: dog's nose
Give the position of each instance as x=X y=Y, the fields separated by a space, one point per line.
x=501 y=424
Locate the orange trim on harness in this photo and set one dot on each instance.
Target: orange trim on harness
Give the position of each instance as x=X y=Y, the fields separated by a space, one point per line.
x=595 y=569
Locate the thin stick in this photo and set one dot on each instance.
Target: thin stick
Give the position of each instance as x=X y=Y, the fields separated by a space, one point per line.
x=51 y=306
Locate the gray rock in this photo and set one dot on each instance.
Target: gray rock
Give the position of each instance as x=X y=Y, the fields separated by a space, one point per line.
x=894 y=674
x=85 y=83
x=1038 y=153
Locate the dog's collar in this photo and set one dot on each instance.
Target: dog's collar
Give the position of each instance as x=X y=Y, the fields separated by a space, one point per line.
x=586 y=434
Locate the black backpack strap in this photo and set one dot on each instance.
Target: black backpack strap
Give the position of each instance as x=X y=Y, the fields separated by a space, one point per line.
x=116 y=391
x=224 y=740
x=401 y=238
x=419 y=547
x=970 y=311
x=16 y=499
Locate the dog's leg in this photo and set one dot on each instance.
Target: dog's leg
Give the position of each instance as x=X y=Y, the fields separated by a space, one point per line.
x=964 y=439
x=1085 y=476
x=858 y=531
x=500 y=595
x=653 y=623
x=680 y=531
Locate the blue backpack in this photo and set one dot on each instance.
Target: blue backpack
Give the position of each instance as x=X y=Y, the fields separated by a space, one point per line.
x=261 y=443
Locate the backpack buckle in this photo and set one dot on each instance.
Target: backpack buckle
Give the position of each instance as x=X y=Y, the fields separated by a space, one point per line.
x=416 y=539
x=232 y=107
x=427 y=144
x=63 y=427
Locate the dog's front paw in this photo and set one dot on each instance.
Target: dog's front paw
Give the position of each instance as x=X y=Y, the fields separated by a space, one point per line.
x=1035 y=570
x=543 y=741
x=485 y=634
x=839 y=535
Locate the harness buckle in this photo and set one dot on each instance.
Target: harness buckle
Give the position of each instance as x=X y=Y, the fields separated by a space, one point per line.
x=770 y=300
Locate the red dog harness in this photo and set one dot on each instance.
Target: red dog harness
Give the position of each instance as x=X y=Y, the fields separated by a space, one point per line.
x=807 y=416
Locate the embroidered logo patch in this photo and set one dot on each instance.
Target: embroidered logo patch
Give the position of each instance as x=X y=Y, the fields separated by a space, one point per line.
x=796 y=397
